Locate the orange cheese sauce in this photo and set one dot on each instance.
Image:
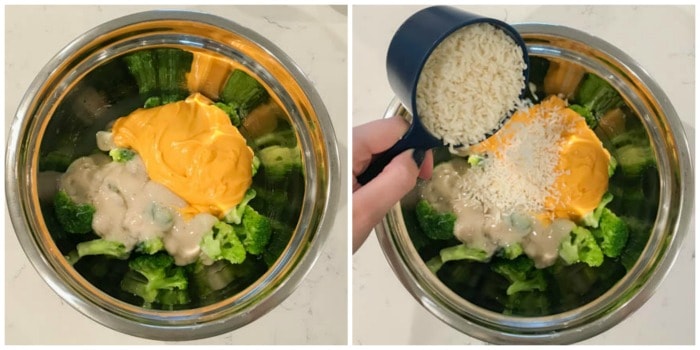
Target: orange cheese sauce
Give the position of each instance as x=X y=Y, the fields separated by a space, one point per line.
x=191 y=148
x=582 y=163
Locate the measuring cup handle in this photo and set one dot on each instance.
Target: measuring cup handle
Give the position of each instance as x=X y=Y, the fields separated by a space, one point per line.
x=382 y=159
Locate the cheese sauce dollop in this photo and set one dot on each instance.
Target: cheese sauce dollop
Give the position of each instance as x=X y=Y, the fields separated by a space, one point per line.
x=191 y=148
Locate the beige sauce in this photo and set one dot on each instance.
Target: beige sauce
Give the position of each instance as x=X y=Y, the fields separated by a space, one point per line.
x=130 y=208
x=542 y=244
x=480 y=225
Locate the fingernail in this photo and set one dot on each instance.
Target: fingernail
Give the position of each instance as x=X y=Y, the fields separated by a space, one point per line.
x=419 y=156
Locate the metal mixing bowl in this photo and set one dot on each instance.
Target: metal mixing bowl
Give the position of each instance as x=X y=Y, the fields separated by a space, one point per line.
x=80 y=90
x=668 y=207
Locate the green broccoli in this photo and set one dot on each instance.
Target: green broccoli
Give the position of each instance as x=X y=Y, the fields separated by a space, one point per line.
x=436 y=225
x=586 y=114
x=463 y=252
x=581 y=246
x=612 y=166
x=635 y=136
x=57 y=160
x=255 y=230
x=173 y=65
x=284 y=137
x=591 y=219
x=279 y=239
x=150 y=246
x=635 y=158
x=511 y=251
x=612 y=234
x=212 y=283
x=142 y=66
x=279 y=161
x=235 y=215
x=149 y=275
x=232 y=111
x=222 y=242
x=476 y=159
x=527 y=304
x=161 y=71
x=121 y=155
x=458 y=252
x=521 y=273
x=255 y=164
x=243 y=91
x=98 y=246
x=434 y=264
x=597 y=96
x=171 y=299
x=153 y=101
x=73 y=217
x=102 y=247
x=639 y=232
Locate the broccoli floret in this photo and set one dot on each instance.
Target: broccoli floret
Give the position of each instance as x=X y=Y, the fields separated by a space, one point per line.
x=223 y=243
x=475 y=159
x=235 y=215
x=597 y=96
x=161 y=71
x=149 y=275
x=279 y=239
x=639 y=232
x=635 y=158
x=73 y=217
x=212 y=283
x=434 y=264
x=121 y=155
x=284 y=138
x=581 y=246
x=586 y=114
x=231 y=110
x=153 y=101
x=436 y=225
x=255 y=230
x=173 y=65
x=255 y=164
x=243 y=91
x=511 y=251
x=612 y=166
x=102 y=247
x=612 y=234
x=527 y=304
x=457 y=252
x=635 y=136
x=278 y=161
x=463 y=252
x=142 y=66
x=58 y=160
x=521 y=273
x=150 y=246
x=170 y=299
x=591 y=219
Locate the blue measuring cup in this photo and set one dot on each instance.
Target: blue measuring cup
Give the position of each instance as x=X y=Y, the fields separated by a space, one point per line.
x=409 y=49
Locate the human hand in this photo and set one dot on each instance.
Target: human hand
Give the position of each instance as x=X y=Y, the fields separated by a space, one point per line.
x=373 y=200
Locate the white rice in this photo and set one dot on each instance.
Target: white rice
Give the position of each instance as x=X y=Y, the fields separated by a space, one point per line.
x=469 y=84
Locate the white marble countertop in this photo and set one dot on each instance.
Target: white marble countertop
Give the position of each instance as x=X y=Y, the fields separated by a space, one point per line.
x=661 y=39
x=316 y=39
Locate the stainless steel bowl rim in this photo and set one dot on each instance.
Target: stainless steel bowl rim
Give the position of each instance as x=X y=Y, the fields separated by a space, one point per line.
x=164 y=331
x=546 y=329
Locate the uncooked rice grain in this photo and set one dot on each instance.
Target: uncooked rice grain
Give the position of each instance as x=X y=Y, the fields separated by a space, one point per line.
x=469 y=84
